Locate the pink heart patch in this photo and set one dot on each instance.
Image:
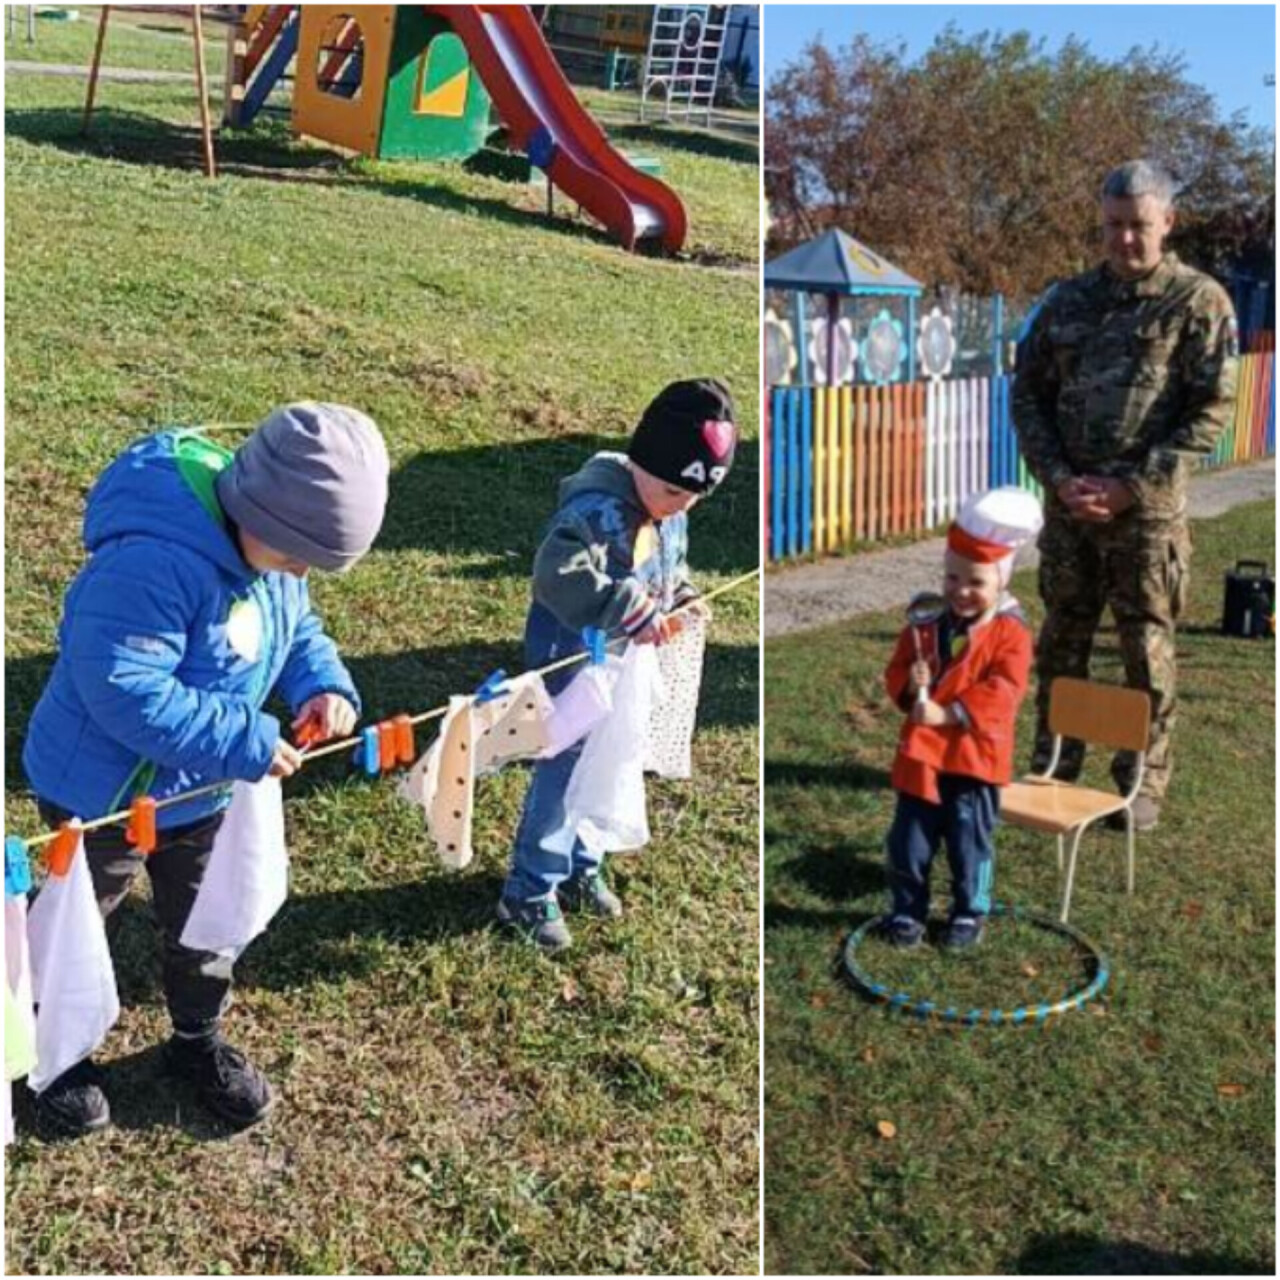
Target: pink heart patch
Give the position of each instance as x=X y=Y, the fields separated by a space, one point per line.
x=719 y=437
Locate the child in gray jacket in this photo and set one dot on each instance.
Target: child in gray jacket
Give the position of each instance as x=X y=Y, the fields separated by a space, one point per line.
x=613 y=560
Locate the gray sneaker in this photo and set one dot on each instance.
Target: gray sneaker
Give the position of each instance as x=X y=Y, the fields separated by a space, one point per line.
x=538 y=920
x=588 y=892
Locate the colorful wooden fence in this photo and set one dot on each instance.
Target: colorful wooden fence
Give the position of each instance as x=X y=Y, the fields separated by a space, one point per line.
x=859 y=464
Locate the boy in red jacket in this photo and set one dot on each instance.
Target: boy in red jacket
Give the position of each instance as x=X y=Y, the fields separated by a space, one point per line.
x=956 y=746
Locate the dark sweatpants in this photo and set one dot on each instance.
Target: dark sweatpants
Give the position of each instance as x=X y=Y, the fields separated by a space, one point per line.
x=966 y=820
x=197 y=984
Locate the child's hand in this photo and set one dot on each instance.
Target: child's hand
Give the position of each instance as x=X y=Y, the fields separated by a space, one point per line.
x=285 y=761
x=931 y=714
x=329 y=715
x=660 y=630
x=696 y=609
x=920 y=676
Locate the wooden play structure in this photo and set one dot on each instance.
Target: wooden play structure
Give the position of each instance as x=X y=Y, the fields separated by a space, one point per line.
x=419 y=82
x=390 y=81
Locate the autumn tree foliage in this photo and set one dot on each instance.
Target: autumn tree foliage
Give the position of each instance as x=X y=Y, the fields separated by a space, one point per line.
x=979 y=166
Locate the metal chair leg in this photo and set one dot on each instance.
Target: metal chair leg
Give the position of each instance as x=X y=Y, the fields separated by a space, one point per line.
x=1071 y=873
x=1061 y=852
x=1129 y=828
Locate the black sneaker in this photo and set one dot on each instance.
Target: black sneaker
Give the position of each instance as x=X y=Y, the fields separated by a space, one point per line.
x=904 y=932
x=74 y=1104
x=964 y=932
x=225 y=1080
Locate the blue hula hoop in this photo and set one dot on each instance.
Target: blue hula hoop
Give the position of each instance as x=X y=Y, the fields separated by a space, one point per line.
x=1097 y=967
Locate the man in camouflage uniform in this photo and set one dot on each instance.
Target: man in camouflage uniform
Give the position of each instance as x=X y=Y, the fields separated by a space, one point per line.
x=1127 y=370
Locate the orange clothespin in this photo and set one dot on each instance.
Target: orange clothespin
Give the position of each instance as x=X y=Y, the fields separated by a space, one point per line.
x=141 y=831
x=63 y=848
x=402 y=727
x=311 y=732
x=386 y=745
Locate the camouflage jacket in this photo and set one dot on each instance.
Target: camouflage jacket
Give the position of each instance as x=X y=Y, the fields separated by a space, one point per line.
x=1123 y=378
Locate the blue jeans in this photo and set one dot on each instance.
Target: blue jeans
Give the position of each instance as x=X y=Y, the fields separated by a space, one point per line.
x=966 y=820
x=535 y=872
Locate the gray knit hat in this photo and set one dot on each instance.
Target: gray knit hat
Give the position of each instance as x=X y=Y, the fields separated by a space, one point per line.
x=311 y=482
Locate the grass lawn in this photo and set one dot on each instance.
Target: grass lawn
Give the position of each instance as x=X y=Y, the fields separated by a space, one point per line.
x=1134 y=1137
x=451 y=1101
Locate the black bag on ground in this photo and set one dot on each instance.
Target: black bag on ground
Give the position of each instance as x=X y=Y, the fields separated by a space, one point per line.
x=1249 y=604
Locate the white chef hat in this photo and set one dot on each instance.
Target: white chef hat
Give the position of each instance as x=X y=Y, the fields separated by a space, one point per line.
x=992 y=526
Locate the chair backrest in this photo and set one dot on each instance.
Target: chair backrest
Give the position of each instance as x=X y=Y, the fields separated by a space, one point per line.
x=1103 y=713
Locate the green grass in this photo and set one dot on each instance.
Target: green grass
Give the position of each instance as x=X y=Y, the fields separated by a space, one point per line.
x=451 y=1101
x=1130 y=1138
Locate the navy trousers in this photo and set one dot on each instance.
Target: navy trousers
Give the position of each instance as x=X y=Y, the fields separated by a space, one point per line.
x=966 y=820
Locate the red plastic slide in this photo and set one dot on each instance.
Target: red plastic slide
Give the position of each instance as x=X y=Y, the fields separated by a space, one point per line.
x=545 y=119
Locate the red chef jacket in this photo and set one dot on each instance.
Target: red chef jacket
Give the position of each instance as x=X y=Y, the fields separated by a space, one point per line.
x=989 y=680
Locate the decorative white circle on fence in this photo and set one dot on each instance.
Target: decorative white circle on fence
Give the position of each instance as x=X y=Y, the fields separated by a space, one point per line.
x=821 y=337
x=884 y=349
x=780 y=357
x=936 y=345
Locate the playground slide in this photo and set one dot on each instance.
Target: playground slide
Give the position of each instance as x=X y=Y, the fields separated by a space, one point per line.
x=545 y=119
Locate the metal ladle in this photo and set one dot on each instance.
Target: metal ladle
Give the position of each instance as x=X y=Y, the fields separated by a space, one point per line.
x=927 y=609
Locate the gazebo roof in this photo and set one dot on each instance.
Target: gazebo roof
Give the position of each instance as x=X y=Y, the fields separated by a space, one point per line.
x=835 y=262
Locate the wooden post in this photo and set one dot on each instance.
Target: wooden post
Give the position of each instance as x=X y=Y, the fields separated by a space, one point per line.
x=206 y=126
x=94 y=66
x=233 y=74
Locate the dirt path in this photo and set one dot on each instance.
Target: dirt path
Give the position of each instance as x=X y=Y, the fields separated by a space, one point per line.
x=813 y=595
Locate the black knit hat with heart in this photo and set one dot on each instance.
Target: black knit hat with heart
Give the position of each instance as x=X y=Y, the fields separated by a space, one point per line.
x=688 y=435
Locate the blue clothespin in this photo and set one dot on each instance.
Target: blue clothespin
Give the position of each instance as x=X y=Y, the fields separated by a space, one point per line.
x=594 y=639
x=17 y=867
x=368 y=755
x=492 y=687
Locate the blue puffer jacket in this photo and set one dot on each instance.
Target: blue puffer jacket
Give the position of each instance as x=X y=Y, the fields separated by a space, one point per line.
x=169 y=646
x=603 y=563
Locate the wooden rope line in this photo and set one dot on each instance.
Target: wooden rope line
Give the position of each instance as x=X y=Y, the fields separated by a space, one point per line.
x=346 y=744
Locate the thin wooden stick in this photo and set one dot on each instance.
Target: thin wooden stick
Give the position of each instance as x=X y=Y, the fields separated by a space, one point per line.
x=93 y=68
x=345 y=744
x=206 y=126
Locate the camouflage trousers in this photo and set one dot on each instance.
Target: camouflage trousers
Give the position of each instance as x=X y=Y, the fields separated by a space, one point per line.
x=1140 y=571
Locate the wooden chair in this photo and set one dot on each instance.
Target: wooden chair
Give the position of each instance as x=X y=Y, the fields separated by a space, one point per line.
x=1093 y=713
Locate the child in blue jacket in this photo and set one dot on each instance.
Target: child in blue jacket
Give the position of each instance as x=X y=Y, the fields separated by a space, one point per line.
x=190 y=611
x=613 y=559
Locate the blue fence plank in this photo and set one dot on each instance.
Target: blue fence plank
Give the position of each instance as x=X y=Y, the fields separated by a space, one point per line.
x=806 y=472
x=792 y=474
x=777 y=471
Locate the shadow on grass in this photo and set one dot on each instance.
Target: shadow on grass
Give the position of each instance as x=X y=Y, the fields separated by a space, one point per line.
x=839 y=873
x=715 y=146
x=1074 y=1254
x=266 y=153
x=494 y=501
x=850 y=774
